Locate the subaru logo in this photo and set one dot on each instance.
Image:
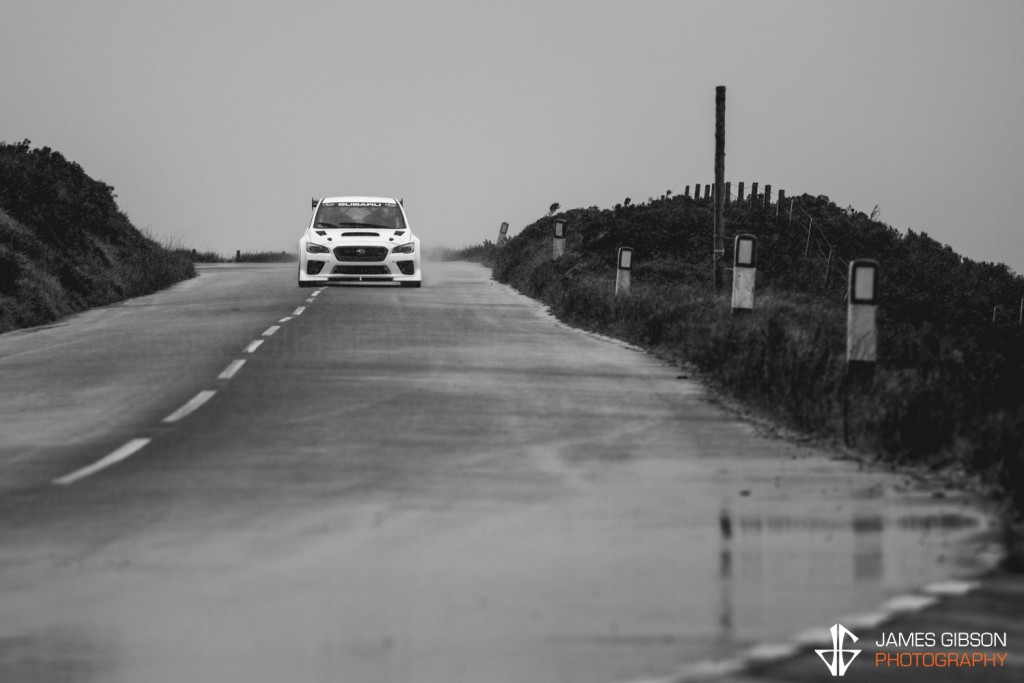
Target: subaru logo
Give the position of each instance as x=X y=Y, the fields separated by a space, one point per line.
x=361 y=252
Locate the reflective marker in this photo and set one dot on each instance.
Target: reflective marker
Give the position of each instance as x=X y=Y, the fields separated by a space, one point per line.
x=558 y=250
x=744 y=272
x=625 y=261
x=861 y=332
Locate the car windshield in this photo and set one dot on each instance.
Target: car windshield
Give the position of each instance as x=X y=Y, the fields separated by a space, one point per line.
x=359 y=214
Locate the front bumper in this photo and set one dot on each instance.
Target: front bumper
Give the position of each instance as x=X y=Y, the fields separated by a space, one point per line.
x=345 y=264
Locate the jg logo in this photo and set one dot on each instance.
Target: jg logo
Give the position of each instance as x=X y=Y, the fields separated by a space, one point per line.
x=839 y=663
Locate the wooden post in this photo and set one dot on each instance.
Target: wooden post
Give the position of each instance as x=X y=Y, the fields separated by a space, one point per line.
x=753 y=193
x=707 y=192
x=739 y=192
x=238 y=254
x=696 y=191
x=687 y=193
x=807 y=248
x=719 y=184
x=728 y=193
x=782 y=198
x=767 y=196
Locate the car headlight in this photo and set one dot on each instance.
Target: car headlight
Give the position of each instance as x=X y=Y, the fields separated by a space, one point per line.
x=317 y=249
x=407 y=248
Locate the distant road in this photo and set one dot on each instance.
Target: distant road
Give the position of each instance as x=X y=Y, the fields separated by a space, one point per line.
x=240 y=480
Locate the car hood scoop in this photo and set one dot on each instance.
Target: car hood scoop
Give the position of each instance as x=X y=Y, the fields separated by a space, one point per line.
x=360 y=234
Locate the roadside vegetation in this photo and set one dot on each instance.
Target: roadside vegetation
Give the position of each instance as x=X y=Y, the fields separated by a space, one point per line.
x=240 y=257
x=64 y=244
x=948 y=391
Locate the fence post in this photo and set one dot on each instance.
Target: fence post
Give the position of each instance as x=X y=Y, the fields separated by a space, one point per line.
x=558 y=250
x=753 y=193
x=687 y=192
x=728 y=193
x=625 y=264
x=782 y=198
x=739 y=192
x=238 y=255
x=767 y=196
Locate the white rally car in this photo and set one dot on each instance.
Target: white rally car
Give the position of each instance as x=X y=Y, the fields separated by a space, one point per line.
x=359 y=239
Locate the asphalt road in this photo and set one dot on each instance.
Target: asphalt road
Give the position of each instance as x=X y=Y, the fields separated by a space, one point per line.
x=427 y=485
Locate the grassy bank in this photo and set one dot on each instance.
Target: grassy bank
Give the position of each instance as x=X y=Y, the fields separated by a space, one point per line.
x=241 y=257
x=64 y=244
x=949 y=387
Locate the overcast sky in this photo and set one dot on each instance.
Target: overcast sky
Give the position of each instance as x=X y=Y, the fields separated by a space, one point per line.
x=216 y=121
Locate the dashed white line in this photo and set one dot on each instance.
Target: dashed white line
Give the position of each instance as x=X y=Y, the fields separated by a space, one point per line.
x=253 y=345
x=284 y=319
x=271 y=330
x=316 y=293
x=951 y=587
x=299 y=310
x=197 y=401
x=120 y=454
x=233 y=367
x=310 y=300
x=909 y=603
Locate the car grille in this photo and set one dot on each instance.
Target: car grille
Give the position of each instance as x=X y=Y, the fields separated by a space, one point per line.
x=357 y=254
x=360 y=270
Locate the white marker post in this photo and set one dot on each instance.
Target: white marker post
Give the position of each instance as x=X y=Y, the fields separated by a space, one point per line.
x=861 y=333
x=622 y=274
x=558 y=250
x=503 y=233
x=744 y=270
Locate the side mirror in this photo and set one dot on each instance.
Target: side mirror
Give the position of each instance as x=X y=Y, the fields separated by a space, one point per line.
x=315 y=202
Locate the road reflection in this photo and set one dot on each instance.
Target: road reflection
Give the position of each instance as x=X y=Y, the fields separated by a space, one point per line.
x=767 y=556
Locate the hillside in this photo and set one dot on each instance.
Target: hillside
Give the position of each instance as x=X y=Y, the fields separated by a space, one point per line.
x=64 y=244
x=949 y=386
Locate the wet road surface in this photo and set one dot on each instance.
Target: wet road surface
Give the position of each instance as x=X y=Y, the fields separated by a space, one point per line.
x=413 y=485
